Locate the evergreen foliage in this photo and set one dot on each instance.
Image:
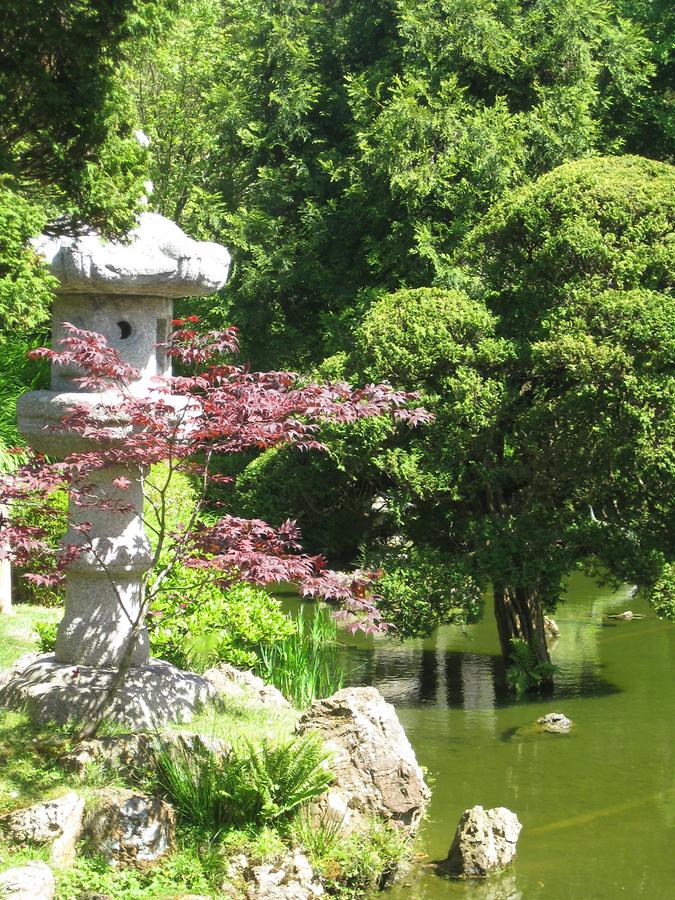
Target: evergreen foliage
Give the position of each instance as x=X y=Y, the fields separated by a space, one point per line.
x=345 y=149
x=65 y=123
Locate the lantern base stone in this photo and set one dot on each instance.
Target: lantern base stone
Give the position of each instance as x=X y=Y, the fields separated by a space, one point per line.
x=149 y=697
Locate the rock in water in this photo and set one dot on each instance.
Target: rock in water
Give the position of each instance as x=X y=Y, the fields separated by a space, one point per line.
x=376 y=772
x=485 y=842
x=551 y=627
x=34 y=881
x=128 y=827
x=556 y=723
x=56 y=822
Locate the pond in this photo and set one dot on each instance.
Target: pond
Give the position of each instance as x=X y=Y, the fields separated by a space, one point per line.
x=597 y=806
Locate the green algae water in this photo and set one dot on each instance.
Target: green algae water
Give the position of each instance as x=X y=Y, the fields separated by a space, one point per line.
x=597 y=806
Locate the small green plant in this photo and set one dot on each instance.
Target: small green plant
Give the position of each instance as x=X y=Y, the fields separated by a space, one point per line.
x=46 y=636
x=524 y=673
x=304 y=665
x=253 y=785
x=319 y=836
x=352 y=865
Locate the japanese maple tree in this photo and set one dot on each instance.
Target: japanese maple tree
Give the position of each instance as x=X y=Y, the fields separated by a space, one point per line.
x=186 y=421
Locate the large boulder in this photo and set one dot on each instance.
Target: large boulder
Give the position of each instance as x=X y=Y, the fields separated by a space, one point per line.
x=376 y=772
x=236 y=684
x=129 y=827
x=485 y=842
x=149 y=697
x=56 y=822
x=34 y=881
x=135 y=754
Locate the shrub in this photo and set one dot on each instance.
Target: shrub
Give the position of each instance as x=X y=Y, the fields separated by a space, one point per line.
x=589 y=226
x=196 y=624
x=422 y=589
x=253 y=785
x=46 y=636
x=419 y=337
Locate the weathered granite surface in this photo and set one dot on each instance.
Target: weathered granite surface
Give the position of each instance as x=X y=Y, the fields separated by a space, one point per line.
x=56 y=822
x=133 y=755
x=129 y=827
x=376 y=771
x=149 y=696
x=34 y=881
x=157 y=259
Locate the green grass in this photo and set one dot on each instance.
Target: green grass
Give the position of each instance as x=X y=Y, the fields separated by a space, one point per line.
x=240 y=721
x=17 y=631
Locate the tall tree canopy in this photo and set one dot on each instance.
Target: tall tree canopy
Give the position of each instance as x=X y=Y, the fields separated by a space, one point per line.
x=552 y=379
x=343 y=149
x=65 y=123
x=67 y=143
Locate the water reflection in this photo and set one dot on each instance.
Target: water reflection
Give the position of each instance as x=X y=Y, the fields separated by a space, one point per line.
x=503 y=887
x=449 y=671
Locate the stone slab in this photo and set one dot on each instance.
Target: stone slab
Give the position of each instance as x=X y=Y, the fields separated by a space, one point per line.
x=150 y=696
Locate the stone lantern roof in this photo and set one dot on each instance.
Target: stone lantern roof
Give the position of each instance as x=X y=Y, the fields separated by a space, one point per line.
x=124 y=290
x=158 y=260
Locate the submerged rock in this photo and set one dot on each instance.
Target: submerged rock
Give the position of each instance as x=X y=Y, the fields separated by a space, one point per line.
x=555 y=723
x=625 y=616
x=376 y=771
x=34 y=881
x=485 y=842
x=551 y=627
x=128 y=827
x=56 y=822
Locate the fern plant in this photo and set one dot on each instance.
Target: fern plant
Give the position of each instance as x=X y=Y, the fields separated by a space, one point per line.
x=524 y=673
x=252 y=785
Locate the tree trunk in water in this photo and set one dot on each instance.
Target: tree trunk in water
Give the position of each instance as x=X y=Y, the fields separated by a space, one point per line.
x=520 y=616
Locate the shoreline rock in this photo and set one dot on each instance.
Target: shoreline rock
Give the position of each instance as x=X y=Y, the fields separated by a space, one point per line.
x=376 y=770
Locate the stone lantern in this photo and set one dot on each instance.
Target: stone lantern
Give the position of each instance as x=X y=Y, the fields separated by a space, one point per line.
x=124 y=292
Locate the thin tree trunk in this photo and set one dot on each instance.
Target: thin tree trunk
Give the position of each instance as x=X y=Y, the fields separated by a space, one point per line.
x=5 y=578
x=519 y=616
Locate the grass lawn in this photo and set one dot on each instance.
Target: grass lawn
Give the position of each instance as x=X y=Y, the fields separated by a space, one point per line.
x=17 y=631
